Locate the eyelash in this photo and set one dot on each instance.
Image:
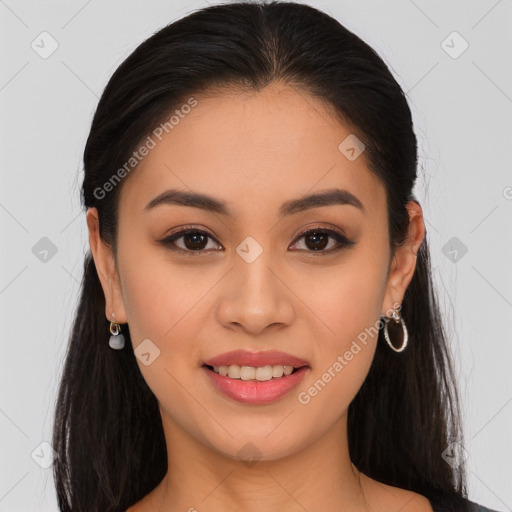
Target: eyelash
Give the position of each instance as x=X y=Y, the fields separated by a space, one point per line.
x=168 y=242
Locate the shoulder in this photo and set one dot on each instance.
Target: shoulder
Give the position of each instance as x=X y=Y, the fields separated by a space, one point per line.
x=409 y=501
x=383 y=497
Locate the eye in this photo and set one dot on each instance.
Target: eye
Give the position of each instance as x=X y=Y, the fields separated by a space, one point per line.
x=194 y=240
x=317 y=240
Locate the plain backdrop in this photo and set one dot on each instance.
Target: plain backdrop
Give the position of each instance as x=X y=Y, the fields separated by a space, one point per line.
x=452 y=59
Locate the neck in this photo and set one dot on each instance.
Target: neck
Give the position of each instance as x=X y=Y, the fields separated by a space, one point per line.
x=316 y=478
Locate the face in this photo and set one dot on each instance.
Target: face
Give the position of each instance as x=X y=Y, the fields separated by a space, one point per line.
x=249 y=278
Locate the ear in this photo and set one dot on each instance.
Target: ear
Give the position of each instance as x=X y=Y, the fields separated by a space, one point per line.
x=404 y=260
x=107 y=272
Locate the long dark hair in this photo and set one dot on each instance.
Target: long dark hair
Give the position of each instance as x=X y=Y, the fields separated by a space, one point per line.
x=108 y=432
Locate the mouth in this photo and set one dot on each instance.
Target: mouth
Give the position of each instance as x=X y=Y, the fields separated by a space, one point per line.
x=255 y=385
x=254 y=373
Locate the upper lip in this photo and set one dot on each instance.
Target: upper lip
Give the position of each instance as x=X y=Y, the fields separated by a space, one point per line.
x=246 y=358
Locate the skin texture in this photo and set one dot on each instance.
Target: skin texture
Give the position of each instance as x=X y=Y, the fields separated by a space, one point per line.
x=254 y=151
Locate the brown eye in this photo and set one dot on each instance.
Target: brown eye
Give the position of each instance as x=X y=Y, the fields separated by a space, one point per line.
x=324 y=240
x=317 y=241
x=194 y=240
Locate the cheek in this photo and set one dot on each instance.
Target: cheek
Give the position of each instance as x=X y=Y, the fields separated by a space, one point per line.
x=348 y=301
x=164 y=304
x=158 y=294
x=347 y=310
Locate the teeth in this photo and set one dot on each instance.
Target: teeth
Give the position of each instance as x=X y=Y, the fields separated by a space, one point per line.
x=260 y=373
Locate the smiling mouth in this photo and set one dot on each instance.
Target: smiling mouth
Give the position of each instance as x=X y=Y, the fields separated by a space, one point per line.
x=254 y=373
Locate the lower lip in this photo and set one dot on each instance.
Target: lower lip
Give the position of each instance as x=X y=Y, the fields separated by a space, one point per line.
x=253 y=391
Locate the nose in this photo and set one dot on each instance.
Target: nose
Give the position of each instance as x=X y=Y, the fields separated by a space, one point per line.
x=255 y=296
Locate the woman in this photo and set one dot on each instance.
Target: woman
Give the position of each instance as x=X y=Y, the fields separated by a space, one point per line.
x=257 y=326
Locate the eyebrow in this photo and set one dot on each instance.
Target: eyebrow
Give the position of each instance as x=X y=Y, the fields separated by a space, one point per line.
x=330 y=197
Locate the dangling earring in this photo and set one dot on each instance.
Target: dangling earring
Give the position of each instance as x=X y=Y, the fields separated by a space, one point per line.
x=116 y=341
x=397 y=319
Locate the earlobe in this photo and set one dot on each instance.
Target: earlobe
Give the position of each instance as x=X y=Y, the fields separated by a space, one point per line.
x=404 y=261
x=105 y=265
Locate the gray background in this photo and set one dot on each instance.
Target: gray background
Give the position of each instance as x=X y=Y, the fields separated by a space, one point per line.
x=461 y=106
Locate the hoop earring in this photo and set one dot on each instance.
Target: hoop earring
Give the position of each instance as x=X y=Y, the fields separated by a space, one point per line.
x=116 y=341
x=397 y=319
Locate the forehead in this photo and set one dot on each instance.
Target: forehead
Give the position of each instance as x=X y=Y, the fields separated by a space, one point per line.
x=252 y=149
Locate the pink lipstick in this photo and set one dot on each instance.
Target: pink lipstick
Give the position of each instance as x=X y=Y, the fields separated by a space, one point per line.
x=233 y=374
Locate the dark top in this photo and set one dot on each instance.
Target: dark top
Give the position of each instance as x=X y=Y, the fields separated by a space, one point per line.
x=440 y=505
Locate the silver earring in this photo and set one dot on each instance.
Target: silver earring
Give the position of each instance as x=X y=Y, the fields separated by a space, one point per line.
x=397 y=319
x=116 y=341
